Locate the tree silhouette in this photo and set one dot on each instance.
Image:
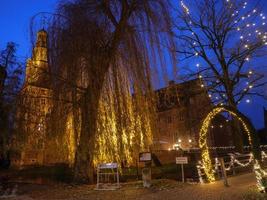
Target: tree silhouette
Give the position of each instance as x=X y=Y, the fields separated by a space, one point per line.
x=101 y=55
x=227 y=41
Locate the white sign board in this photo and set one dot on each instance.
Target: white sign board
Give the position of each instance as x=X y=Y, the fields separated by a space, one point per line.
x=108 y=166
x=181 y=160
x=105 y=176
x=146 y=156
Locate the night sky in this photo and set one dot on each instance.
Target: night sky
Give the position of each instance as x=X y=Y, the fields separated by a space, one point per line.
x=15 y=16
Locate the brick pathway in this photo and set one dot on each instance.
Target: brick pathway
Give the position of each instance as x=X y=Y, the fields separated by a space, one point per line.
x=163 y=190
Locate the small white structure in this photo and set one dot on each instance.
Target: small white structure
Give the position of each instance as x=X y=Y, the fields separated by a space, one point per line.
x=108 y=176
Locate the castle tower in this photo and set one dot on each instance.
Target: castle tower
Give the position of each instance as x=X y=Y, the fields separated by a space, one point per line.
x=37 y=66
x=35 y=106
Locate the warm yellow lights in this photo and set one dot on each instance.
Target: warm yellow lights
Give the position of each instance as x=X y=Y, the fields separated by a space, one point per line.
x=261 y=177
x=123 y=130
x=206 y=161
x=185 y=8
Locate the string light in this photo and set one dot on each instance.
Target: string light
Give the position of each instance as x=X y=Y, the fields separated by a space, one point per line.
x=261 y=176
x=186 y=9
x=258 y=34
x=206 y=161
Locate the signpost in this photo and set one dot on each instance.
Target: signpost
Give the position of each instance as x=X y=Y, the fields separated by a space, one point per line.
x=104 y=171
x=145 y=157
x=182 y=161
x=146 y=171
x=224 y=173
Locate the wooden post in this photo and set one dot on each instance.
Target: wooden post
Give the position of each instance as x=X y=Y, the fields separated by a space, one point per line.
x=137 y=173
x=218 y=169
x=224 y=175
x=118 y=178
x=97 y=183
x=182 y=166
x=233 y=158
x=146 y=175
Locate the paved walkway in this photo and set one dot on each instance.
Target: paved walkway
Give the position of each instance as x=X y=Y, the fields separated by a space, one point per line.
x=163 y=190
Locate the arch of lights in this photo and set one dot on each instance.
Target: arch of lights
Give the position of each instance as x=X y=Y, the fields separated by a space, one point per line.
x=206 y=161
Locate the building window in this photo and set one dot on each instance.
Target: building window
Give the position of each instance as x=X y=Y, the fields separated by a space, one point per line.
x=169 y=119
x=43 y=102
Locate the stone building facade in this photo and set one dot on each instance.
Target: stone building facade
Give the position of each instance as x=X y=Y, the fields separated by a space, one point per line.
x=34 y=107
x=181 y=109
x=45 y=133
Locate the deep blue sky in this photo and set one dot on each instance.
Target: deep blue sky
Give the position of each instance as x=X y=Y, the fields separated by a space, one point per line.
x=15 y=17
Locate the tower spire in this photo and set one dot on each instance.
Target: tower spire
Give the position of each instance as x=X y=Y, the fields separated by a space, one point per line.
x=37 y=66
x=40 y=49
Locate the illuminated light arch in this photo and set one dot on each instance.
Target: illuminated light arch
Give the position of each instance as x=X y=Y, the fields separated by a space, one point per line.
x=206 y=161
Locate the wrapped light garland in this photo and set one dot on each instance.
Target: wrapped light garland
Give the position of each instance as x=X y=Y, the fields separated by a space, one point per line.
x=261 y=176
x=199 y=167
x=263 y=155
x=244 y=164
x=233 y=161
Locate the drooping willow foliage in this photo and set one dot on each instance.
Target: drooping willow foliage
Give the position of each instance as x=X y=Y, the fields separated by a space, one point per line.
x=125 y=121
x=103 y=57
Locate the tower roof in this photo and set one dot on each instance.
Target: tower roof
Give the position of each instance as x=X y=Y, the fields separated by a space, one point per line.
x=42 y=31
x=41 y=38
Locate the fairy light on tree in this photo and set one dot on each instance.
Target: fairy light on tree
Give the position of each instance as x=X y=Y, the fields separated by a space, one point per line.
x=186 y=9
x=224 y=49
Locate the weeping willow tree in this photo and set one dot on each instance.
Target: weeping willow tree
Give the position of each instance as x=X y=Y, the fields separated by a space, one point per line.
x=102 y=55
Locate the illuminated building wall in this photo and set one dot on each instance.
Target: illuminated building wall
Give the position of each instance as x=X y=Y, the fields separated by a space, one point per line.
x=34 y=142
x=181 y=109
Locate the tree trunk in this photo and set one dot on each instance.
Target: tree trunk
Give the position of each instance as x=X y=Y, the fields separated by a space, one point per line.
x=83 y=166
x=237 y=132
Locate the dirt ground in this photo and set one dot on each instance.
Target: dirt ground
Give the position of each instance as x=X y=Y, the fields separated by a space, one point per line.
x=161 y=190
